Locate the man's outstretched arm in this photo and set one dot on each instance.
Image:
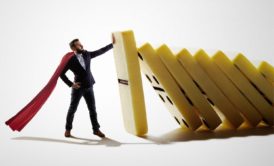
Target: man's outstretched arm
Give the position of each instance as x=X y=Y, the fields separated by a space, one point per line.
x=65 y=78
x=101 y=51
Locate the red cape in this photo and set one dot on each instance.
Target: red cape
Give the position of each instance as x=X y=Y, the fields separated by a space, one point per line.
x=21 y=119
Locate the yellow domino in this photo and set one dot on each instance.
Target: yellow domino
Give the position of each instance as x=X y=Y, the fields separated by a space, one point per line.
x=210 y=89
x=267 y=71
x=166 y=87
x=264 y=108
x=130 y=83
x=254 y=76
x=192 y=93
x=228 y=88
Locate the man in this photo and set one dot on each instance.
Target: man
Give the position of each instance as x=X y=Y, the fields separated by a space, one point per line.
x=79 y=64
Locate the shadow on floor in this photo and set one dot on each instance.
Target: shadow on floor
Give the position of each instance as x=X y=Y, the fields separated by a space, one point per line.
x=184 y=134
x=79 y=141
x=177 y=135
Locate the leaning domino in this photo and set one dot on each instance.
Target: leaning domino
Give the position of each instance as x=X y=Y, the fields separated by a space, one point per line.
x=207 y=86
x=168 y=90
x=228 y=88
x=254 y=76
x=267 y=71
x=192 y=93
x=262 y=106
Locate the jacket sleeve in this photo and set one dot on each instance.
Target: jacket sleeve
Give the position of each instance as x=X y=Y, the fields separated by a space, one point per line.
x=93 y=54
x=64 y=77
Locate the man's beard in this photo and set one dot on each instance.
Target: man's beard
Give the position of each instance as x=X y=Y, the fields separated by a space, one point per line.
x=79 y=50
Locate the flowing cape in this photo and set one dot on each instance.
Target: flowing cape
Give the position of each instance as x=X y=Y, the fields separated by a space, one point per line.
x=23 y=117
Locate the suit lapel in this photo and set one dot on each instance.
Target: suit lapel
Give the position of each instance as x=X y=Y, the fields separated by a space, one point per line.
x=85 y=59
x=77 y=61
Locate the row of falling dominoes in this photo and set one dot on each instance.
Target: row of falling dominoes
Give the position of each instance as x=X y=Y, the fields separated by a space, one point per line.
x=198 y=91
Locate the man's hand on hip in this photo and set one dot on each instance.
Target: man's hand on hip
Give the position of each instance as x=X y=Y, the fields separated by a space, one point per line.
x=76 y=85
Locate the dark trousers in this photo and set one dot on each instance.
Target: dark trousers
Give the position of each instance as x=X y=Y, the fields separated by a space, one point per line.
x=76 y=95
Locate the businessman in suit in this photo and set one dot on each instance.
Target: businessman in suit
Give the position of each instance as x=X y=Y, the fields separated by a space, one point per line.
x=79 y=64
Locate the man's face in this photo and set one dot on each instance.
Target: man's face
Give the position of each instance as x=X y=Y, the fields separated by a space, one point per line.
x=78 y=47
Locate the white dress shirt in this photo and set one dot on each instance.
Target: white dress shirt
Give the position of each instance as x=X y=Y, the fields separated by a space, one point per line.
x=81 y=60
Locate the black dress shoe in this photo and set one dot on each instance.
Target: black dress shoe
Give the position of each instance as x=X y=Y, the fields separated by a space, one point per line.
x=99 y=133
x=67 y=133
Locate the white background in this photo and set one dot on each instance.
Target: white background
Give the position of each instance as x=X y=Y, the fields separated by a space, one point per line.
x=34 y=35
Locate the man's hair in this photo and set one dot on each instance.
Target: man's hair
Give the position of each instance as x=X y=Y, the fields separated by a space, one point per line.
x=72 y=43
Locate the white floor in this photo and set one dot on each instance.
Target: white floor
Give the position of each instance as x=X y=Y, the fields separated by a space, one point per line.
x=119 y=148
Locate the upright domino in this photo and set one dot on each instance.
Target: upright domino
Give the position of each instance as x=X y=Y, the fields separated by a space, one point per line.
x=254 y=76
x=264 y=108
x=208 y=87
x=267 y=71
x=191 y=92
x=228 y=88
x=130 y=83
x=166 y=87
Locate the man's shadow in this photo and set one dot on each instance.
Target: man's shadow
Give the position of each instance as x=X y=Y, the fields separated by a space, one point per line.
x=177 y=135
x=78 y=141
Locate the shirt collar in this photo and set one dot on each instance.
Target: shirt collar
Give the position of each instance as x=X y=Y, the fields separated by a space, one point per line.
x=77 y=54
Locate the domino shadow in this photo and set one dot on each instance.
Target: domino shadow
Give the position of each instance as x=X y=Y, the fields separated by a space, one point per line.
x=184 y=134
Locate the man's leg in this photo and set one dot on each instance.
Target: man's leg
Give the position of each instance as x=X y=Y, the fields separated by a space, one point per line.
x=76 y=95
x=90 y=100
